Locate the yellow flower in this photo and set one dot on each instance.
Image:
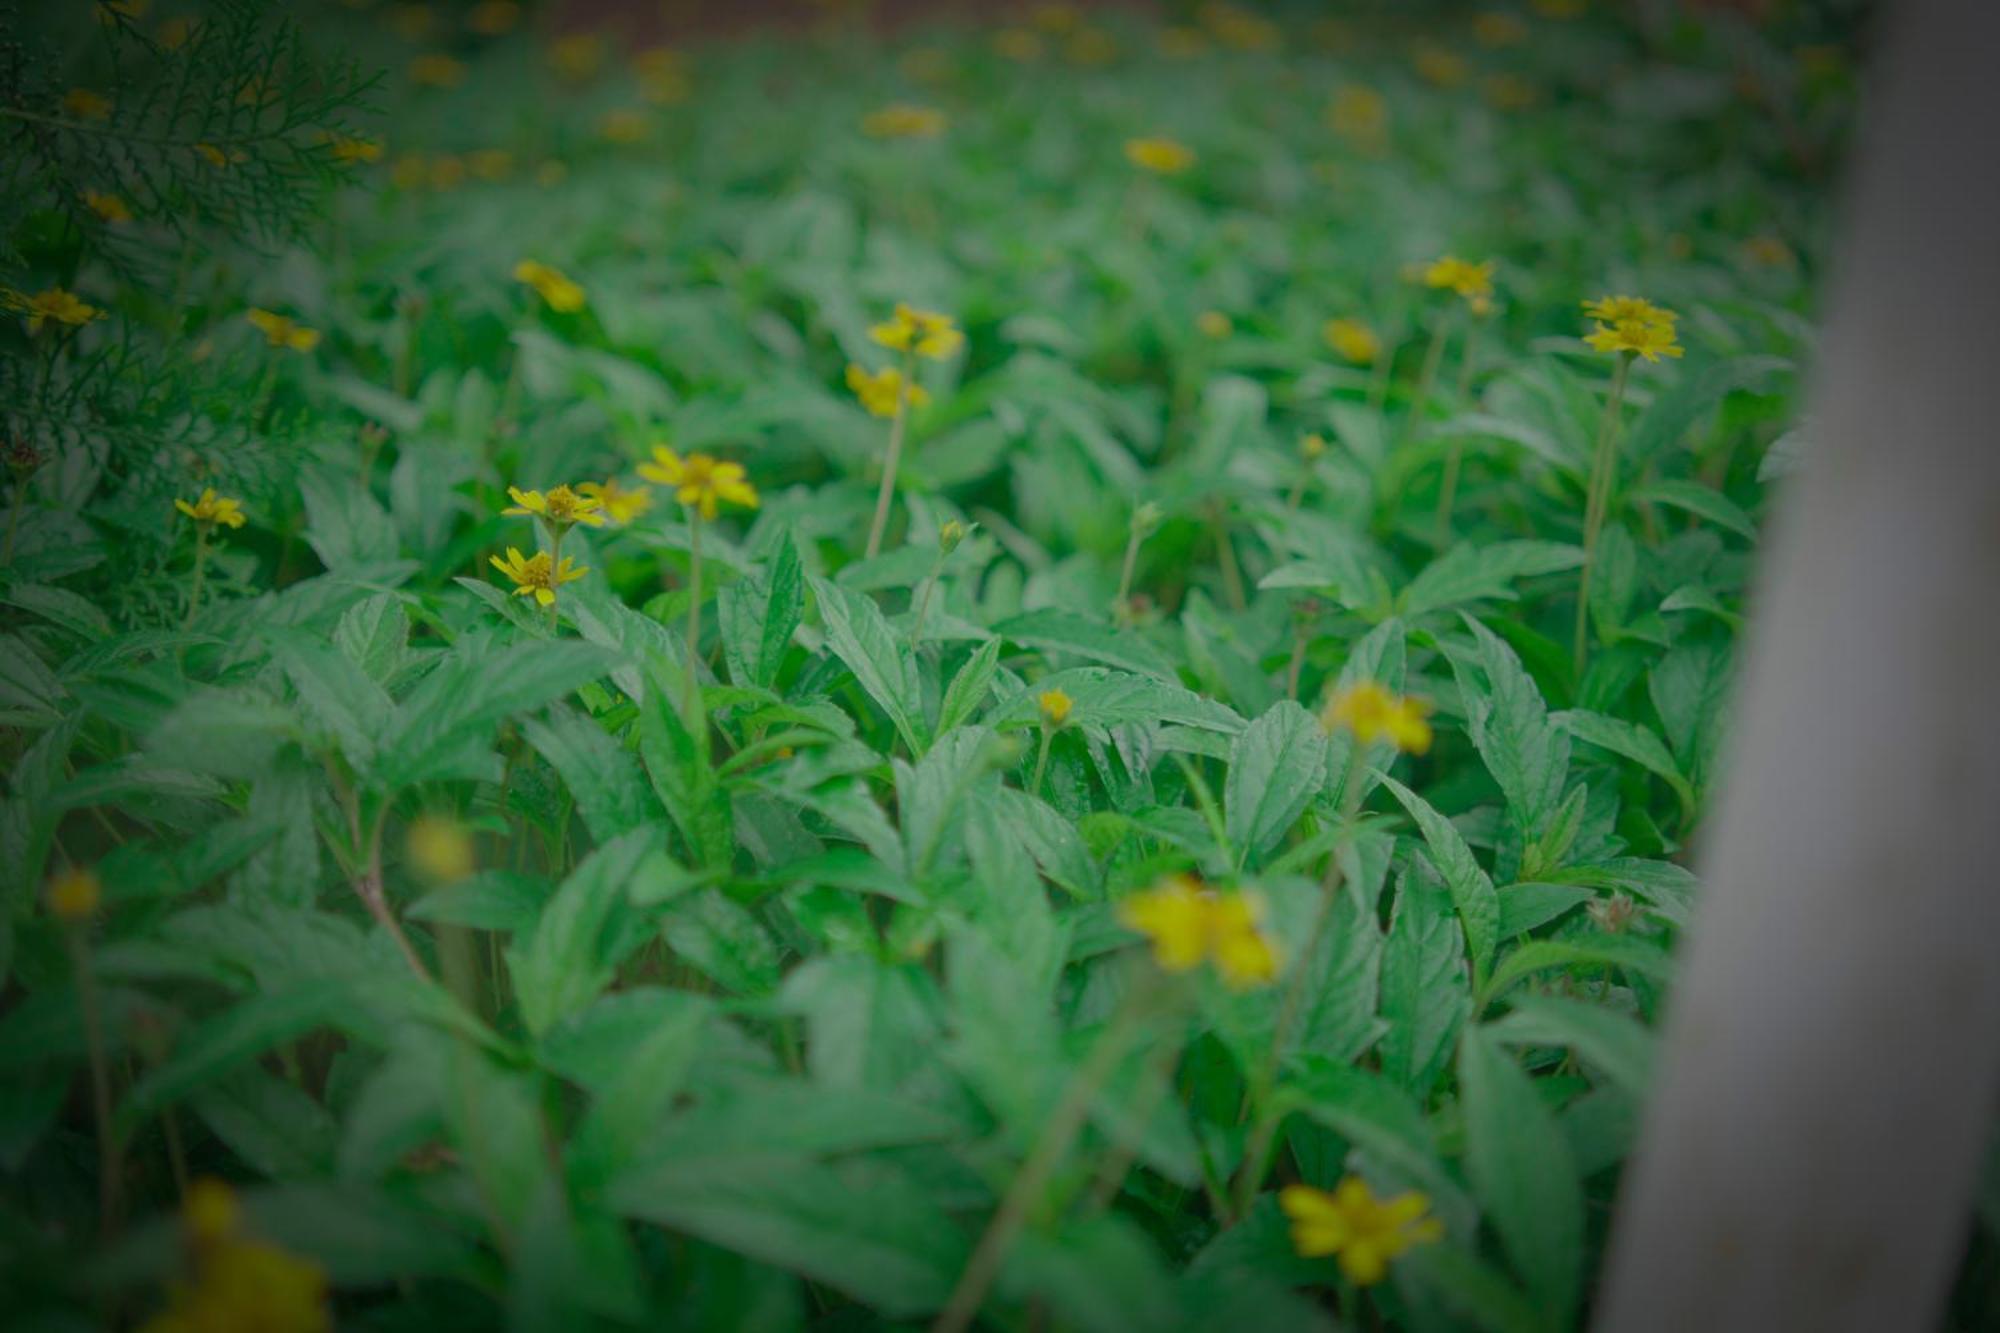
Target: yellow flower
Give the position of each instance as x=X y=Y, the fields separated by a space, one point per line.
x=578 y=56
x=1017 y=44
x=1055 y=706
x=1189 y=925
x=1182 y=43
x=700 y=480
x=1632 y=325
x=1499 y=29
x=489 y=164
x=51 y=303
x=1214 y=324
x=1352 y=339
x=903 y=120
x=1474 y=282
x=623 y=125
x=1364 y=1231
x=537 y=576
x=1162 y=157
x=1091 y=47
x=1770 y=251
x=75 y=894
x=1439 y=67
x=441 y=848
x=447 y=172
x=283 y=330
x=883 y=392
x=1312 y=446
x=561 y=507
x=239 y=1283
x=925 y=332
x=1056 y=18
x=490 y=18
x=437 y=70
x=211 y=509
x=561 y=294
x=1360 y=115
x=349 y=148
x=618 y=503
x=1373 y=714
x=109 y=208
x=86 y=105
x=951 y=532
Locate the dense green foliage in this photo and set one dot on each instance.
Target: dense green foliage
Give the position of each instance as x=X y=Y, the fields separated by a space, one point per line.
x=750 y=1016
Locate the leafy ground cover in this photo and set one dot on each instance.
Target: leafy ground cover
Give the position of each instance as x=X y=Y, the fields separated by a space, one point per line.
x=1044 y=673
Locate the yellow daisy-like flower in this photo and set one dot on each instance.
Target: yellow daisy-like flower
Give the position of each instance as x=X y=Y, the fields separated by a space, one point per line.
x=437 y=70
x=1439 y=67
x=108 y=208
x=700 y=480
x=1352 y=339
x=1472 y=281
x=1188 y=925
x=1614 y=309
x=1161 y=156
x=1364 y=1232
x=283 y=330
x=1214 y=324
x=1372 y=713
x=75 y=894
x=560 y=507
x=84 y=104
x=561 y=294
x=903 y=120
x=883 y=391
x=213 y=509
x=618 y=503
x=1055 y=706
x=1635 y=337
x=51 y=303
x=537 y=576
x=239 y=1283
x=441 y=849
x=348 y=148
x=925 y=332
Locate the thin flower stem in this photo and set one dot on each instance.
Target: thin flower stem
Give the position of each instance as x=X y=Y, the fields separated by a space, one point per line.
x=691 y=690
x=1225 y=551
x=887 y=494
x=555 y=579
x=1264 y=1082
x=1298 y=661
x=1121 y=606
x=924 y=603
x=1597 y=499
x=1059 y=1132
x=108 y=1169
x=1427 y=377
x=200 y=568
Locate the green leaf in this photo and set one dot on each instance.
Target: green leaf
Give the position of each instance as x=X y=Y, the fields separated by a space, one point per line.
x=860 y=636
x=1277 y=765
x=871 y=1023
x=1472 y=892
x=758 y=615
x=854 y=1225
x=1104 y=698
x=1523 y=1175
x=1482 y=573
x=444 y=728
x=601 y=775
x=969 y=687
x=1673 y=413
x=1055 y=631
x=1642 y=745
x=1636 y=955
x=573 y=951
x=1426 y=994
x=1700 y=501
x=1612 y=1042
x=1509 y=723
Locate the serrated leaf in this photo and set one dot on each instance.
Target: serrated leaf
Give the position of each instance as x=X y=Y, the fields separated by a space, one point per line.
x=1527 y=753
x=861 y=637
x=1426 y=994
x=1482 y=573
x=1642 y=745
x=1052 y=630
x=1277 y=765
x=1605 y=1038
x=969 y=687
x=759 y=614
x=1472 y=892
x=600 y=775
x=1700 y=501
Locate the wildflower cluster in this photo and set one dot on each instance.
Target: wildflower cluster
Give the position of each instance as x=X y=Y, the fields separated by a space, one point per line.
x=1631 y=326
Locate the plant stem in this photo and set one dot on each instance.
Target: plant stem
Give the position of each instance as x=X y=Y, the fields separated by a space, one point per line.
x=555 y=579
x=1121 y=606
x=1298 y=662
x=1597 y=499
x=887 y=494
x=1059 y=1132
x=200 y=567
x=1225 y=552
x=1427 y=377
x=14 y=520
x=1258 y=1093
x=100 y=1080
x=691 y=690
